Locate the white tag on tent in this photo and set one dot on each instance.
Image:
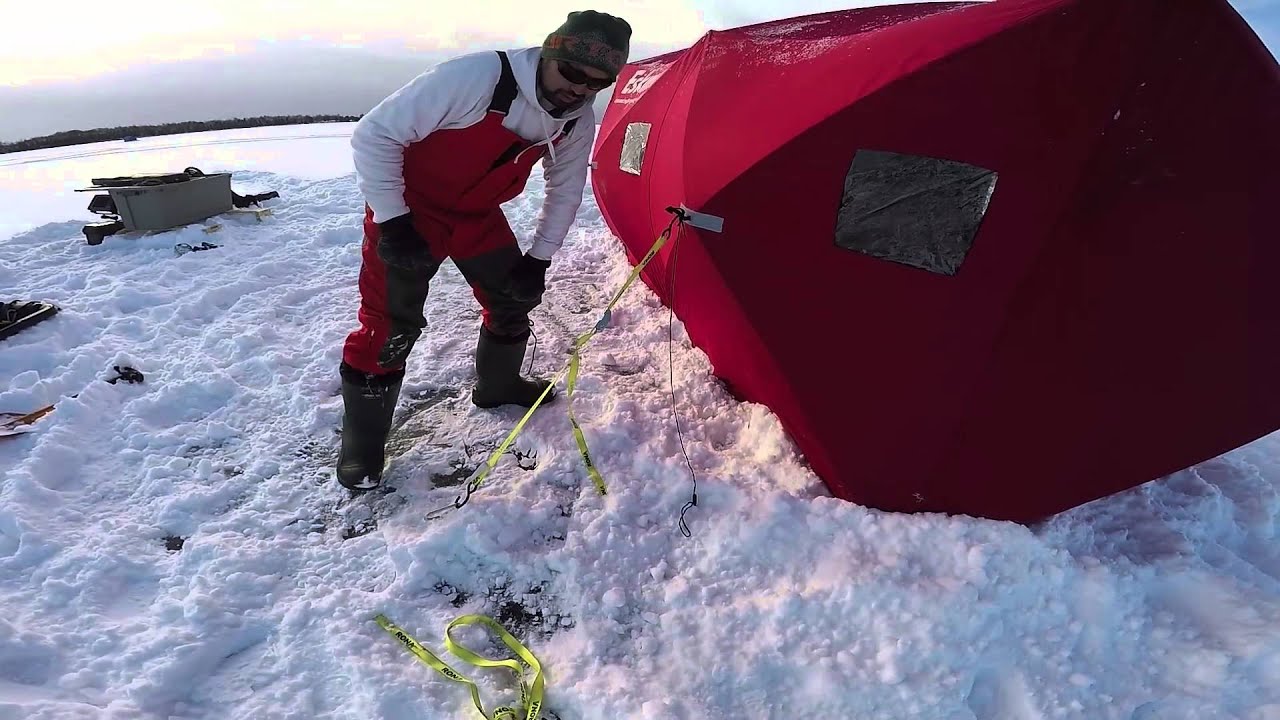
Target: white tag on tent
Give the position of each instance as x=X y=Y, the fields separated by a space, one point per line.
x=703 y=221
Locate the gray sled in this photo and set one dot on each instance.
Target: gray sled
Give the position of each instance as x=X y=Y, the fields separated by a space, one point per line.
x=155 y=203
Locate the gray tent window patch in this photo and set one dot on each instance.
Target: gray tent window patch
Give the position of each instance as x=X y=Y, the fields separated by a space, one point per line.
x=918 y=211
x=634 y=142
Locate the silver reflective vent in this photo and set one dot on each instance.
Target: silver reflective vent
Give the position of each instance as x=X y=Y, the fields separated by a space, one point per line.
x=633 y=145
x=919 y=211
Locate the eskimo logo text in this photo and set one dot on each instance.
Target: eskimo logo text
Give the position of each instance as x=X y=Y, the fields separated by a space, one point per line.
x=640 y=81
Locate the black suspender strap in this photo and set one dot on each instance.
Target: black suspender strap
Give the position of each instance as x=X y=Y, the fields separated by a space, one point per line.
x=504 y=93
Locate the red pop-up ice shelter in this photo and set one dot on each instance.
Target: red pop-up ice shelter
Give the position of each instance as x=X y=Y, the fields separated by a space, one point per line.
x=998 y=259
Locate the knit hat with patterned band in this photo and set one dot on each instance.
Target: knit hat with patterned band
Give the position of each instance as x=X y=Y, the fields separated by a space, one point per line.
x=594 y=39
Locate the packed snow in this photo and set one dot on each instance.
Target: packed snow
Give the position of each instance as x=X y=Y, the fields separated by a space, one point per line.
x=178 y=549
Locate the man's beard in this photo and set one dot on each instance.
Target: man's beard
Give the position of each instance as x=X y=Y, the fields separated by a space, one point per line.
x=562 y=102
x=567 y=100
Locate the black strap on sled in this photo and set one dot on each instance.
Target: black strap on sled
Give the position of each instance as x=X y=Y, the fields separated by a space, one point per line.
x=244 y=201
x=146 y=180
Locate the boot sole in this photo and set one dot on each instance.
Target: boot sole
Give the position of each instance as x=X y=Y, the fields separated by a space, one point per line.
x=363 y=485
x=490 y=405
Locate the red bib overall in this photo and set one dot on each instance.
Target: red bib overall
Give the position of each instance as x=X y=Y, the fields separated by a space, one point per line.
x=455 y=183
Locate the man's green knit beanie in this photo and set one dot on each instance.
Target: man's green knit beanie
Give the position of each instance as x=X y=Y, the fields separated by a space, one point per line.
x=593 y=39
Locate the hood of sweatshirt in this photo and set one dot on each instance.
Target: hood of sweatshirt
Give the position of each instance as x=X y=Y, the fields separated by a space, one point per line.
x=524 y=64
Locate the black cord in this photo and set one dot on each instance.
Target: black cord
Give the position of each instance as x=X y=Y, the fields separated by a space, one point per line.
x=671 y=286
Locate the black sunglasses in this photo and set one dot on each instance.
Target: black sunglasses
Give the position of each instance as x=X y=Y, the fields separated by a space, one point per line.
x=578 y=77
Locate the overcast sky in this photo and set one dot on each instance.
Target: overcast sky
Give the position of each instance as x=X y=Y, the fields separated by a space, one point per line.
x=67 y=64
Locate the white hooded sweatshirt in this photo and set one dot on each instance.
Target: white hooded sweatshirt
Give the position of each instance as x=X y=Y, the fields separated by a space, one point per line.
x=456 y=94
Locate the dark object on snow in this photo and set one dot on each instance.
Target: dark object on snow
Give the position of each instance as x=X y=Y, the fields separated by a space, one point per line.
x=127 y=374
x=18 y=315
x=244 y=201
x=161 y=201
x=95 y=233
x=13 y=423
x=184 y=248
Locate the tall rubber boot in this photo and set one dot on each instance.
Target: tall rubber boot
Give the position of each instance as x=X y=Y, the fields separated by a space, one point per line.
x=498 y=383
x=369 y=401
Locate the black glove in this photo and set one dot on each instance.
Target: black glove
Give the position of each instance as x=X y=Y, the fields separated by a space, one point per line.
x=400 y=245
x=528 y=278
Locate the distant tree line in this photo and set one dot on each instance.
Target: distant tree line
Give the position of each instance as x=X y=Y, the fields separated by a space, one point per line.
x=81 y=137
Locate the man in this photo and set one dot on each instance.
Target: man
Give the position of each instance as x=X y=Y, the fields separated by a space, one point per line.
x=435 y=160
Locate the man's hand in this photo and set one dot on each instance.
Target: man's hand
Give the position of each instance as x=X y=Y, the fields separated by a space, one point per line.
x=400 y=245
x=529 y=278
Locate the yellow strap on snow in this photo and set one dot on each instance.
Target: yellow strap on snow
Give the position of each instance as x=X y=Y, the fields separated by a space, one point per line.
x=531 y=695
x=492 y=462
x=571 y=370
x=581 y=439
x=575 y=360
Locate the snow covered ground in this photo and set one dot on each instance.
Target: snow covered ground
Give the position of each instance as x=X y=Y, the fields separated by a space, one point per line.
x=39 y=186
x=176 y=548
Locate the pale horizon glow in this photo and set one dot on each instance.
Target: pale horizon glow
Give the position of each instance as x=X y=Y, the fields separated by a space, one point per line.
x=73 y=40
x=147 y=32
